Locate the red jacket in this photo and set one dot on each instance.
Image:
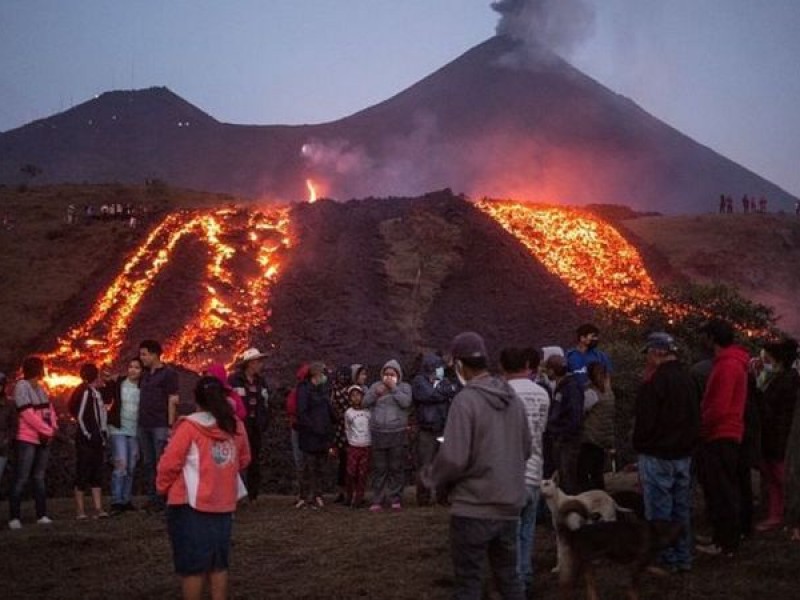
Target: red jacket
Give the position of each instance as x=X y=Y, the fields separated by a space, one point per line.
x=291 y=399
x=201 y=463
x=722 y=410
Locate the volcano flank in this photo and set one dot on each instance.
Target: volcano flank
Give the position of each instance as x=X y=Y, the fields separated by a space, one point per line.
x=488 y=123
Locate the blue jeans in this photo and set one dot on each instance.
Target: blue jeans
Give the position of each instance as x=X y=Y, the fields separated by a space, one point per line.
x=125 y=454
x=525 y=536
x=31 y=462
x=152 y=441
x=667 y=487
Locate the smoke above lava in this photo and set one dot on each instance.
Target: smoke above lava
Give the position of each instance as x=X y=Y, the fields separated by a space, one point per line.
x=556 y=25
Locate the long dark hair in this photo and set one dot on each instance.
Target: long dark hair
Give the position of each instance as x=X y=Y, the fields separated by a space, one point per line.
x=210 y=395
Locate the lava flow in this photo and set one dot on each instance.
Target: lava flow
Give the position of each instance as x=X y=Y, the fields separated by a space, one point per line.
x=234 y=302
x=588 y=254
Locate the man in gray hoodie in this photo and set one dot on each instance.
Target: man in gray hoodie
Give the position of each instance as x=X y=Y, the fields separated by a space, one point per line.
x=389 y=401
x=481 y=462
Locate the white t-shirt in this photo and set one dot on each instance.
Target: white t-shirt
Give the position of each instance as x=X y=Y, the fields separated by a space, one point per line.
x=537 y=403
x=356 y=427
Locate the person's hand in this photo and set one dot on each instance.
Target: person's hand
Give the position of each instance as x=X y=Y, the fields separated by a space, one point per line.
x=381 y=390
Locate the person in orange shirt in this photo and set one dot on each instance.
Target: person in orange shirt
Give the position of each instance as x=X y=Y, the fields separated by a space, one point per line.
x=199 y=474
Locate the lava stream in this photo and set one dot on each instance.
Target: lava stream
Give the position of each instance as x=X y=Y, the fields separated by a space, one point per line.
x=588 y=254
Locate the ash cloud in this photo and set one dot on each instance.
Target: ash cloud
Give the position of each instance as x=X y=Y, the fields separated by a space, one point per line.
x=559 y=26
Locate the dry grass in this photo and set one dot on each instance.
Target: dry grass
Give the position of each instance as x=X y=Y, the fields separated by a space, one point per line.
x=336 y=553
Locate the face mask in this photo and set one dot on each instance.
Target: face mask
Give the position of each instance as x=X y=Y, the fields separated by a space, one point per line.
x=592 y=344
x=459 y=373
x=769 y=368
x=390 y=379
x=323 y=379
x=439 y=372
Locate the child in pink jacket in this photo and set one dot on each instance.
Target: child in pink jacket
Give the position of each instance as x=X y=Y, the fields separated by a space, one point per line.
x=199 y=474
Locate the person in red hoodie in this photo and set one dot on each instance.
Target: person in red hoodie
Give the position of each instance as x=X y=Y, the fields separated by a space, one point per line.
x=199 y=474
x=721 y=430
x=291 y=412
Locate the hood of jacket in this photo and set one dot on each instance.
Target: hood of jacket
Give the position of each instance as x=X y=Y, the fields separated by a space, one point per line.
x=302 y=373
x=496 y=391
x=218 y=370
x=393 y=364
x=207 y=425
x=430 y=362
x=733 y=354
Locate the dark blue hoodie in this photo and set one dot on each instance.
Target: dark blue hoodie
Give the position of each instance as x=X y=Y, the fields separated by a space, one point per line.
x=431 y=402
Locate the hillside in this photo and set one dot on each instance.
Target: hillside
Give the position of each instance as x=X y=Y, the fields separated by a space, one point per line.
x=758 y=254
x=485 y=125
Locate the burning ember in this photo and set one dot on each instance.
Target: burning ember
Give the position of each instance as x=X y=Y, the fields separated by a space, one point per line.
x=233 y=305
x=312 y=192
x=588 y=254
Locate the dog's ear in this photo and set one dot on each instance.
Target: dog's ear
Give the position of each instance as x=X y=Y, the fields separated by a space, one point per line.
x=554 y=478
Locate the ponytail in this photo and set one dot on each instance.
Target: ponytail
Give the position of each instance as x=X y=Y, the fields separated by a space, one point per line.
x=210 y=395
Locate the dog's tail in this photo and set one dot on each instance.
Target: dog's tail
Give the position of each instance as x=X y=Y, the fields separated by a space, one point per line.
x=572 y=515
x=622 y=509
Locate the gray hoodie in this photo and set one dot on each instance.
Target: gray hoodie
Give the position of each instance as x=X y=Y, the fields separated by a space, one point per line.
x=389 y=410
x=487 y=442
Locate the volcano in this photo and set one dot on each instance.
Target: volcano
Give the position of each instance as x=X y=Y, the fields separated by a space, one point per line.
x=487 y=124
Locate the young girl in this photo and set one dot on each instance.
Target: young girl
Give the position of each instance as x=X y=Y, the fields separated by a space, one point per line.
x=37 y=426
x=123 y=421
x=199 y=473
x=356 y=423
x=86 y=406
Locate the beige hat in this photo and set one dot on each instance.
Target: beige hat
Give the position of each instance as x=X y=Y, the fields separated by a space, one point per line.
x=251 y=354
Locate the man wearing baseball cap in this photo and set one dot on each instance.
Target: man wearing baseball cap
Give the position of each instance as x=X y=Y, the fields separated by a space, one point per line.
x=481 y=463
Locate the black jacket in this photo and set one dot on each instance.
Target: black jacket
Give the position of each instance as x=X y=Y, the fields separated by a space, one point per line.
x=777 y=409
x=315 y=418
x=667 y=413
x=431 y=402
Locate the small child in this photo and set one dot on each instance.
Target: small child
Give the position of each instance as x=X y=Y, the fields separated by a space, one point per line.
x=86 y=405
x=356 y=424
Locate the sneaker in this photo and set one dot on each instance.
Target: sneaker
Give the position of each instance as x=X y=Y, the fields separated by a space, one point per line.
x=319 y=502
x=300 y=504
x=81 y=517
x=767 y=525
x=714 y=550
x=101 y=515
x=704 y=540
x=396 y=505
x=14 y=524
x=376 y=508
x=45 y=520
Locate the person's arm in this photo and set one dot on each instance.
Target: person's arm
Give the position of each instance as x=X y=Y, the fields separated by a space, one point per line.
x=375 y=391
x=423 y=391
x=81 y=410
x=402 y=395
x=27 y=414
x=172 y=460
x=242 y=446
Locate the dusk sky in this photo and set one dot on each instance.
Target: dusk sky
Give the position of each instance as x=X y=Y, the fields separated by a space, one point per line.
x=725 y=72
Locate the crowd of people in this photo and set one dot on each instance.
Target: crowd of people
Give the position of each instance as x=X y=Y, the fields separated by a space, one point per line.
x=483 y=444
x=107 y=211
x=749 y=205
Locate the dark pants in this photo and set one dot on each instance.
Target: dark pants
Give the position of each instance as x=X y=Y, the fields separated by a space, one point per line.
x=31 y=462
x=719 y=473
x=152 y=441
x=88 y=464
x=253 y=473
x=357 y=472
x=341 y=468
x=591 y=466
x=311 y=481
x=388 y=474
x=471 y=541
x=566 y=453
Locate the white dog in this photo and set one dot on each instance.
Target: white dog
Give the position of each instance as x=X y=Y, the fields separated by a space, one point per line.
x=598 y=503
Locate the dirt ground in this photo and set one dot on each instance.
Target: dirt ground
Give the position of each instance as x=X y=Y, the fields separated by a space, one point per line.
x=335 y=553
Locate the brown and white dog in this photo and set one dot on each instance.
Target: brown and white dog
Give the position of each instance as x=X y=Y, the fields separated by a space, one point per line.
x=634 y=542
x=599 y=505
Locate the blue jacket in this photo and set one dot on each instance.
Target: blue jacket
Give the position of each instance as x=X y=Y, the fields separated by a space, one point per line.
x=431 y=398
x=315 y=417
x=565 y=420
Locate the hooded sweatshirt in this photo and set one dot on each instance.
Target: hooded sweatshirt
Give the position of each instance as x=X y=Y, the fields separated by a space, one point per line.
x=201 y=463
x=431 y=396
x=482 y=459
x=234 y=399
x=37 y=417
x=722 y=410
x=389 y=409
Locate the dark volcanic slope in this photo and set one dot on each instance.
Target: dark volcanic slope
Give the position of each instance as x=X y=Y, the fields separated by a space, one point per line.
x=485 y=124
x=340 y=297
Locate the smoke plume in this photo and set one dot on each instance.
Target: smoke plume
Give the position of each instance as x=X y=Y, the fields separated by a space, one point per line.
x=556 y=25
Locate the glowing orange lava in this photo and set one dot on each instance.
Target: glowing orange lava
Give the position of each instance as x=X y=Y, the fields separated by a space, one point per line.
x=233 y=306
x=588 y=254
x=312 y=191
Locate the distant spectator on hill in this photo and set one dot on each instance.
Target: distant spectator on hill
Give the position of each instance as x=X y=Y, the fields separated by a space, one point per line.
x=158 y=402
x=585 y=353
x=745 y=204
x=722 y=203
x=729 y=205
x=762 y=205
x=91 y=436
x=36 y=428
x=389 y=401
x=797 y=208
